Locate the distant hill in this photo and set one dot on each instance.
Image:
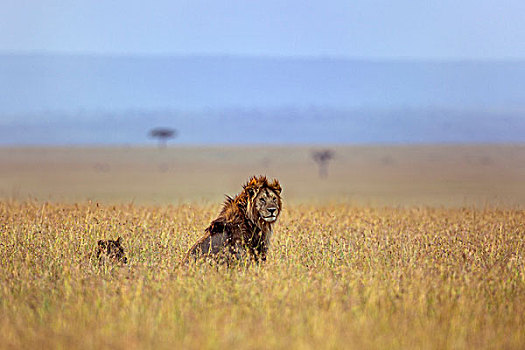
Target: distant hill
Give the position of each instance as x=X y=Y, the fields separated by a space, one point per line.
x=54 y=99
x=72 y=83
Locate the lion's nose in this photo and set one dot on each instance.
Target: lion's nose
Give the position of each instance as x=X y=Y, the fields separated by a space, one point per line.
x=272 y=210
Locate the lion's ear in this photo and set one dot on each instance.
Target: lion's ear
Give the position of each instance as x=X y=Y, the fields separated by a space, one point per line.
x=276 y=186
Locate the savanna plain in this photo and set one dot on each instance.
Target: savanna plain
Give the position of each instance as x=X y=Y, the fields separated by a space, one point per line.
x=398 y=247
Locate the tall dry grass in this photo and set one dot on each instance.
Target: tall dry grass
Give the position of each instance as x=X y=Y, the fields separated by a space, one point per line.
x=337 y=277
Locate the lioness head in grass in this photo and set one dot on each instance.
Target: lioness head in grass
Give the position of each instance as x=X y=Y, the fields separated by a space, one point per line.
x=111 y=251
x=264 y=199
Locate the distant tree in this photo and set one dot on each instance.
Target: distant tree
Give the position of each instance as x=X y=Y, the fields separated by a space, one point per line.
x=163 y=134
x=322 y=157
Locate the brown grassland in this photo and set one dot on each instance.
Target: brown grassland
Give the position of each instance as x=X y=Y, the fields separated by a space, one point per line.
x=405 y=247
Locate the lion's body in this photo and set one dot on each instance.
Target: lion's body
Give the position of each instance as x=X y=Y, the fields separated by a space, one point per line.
x=244 y=226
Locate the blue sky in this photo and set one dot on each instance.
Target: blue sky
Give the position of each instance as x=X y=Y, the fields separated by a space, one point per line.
x=377 y=29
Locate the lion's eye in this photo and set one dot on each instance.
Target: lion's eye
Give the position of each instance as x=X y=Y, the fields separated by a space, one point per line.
x=263 y=200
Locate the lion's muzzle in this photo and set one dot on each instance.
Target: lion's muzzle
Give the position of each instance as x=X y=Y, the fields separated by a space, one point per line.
x=272 y=215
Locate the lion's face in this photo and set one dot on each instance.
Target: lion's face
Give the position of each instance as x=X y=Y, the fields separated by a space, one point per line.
x=267 y=204
x=264 y=200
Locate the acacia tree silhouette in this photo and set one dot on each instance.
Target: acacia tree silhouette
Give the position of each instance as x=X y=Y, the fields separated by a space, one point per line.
x=163 y=134
x=322 y=157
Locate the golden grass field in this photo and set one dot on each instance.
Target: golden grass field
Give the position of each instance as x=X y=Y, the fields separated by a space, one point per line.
x=404 y=247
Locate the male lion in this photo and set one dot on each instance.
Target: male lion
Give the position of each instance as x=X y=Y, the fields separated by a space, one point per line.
x=244 y=226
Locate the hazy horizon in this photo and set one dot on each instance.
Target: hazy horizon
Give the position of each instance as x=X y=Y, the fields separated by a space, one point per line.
x=99 y=72
x=64 y=99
